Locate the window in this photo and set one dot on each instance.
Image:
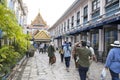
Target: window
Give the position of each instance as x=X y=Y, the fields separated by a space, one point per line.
x=85 y=11
x=112 y=1
x=64 y=26
x=68 y=22
x=108 y=1
x=85 y=16
x=95 y=5
x=59 y=29
x=72 y=23
x=78 y=18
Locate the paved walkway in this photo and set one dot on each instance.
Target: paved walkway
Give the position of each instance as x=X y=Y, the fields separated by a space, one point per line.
x=37 y=68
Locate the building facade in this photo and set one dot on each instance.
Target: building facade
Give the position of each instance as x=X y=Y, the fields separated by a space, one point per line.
x=95 y=20
x=20 y=10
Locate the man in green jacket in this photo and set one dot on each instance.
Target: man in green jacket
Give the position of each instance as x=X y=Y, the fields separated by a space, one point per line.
x=83 y=63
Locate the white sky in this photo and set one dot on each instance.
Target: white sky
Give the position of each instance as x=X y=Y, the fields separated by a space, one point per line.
x=51 y=10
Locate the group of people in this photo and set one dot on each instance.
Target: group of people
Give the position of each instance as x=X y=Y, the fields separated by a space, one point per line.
x=83 y=55
x=43 y=47
x=65 y=53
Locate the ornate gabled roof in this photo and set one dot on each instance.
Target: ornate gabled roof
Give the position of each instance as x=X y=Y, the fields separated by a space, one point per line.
x=42 y=36
x=38 y=21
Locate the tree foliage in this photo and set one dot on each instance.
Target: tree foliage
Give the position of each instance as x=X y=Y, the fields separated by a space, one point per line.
x=10 y=54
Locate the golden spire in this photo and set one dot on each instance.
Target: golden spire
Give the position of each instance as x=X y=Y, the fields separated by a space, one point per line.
x=38 y=21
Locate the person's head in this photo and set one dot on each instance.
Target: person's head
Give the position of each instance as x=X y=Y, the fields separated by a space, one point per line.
x=116 y=44
x=51 y=43
x=65 y=42
x=83 y=43
x=70 y=43
x=67 y=45
x=88 y=43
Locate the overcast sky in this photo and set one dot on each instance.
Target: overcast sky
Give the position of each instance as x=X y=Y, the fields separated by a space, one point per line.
x=51 y=10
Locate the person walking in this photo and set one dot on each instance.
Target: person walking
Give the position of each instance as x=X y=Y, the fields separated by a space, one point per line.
x=41 y=47
x=91 y=59
x=113 y=61
x=67 y=55
x=51 y=53
x=83 y=63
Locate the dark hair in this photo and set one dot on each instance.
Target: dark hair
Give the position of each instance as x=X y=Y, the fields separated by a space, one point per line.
x=67 y=46
x=83 y=43
x=70 y=44
x=65 y=41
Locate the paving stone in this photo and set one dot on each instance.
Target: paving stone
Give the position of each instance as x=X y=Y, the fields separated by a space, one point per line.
x=38 y=68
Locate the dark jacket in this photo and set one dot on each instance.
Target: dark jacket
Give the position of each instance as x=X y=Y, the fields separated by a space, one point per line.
x=51 y=51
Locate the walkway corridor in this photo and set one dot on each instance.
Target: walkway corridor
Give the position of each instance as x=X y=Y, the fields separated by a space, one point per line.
x=37 y=68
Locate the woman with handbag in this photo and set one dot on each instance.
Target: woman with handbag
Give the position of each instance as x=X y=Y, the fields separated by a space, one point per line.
x=113 y=61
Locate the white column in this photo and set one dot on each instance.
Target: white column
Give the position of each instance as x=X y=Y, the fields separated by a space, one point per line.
x=102 y=8
x=73 y=39
x=70 y=21
x=119 y=3
x=56 y=42
x=75 y=19
x=88 y=36
x=81 y=15
x=69 y=39
x=89 y=9
x=62 y=41
x=118 y=32
x=79 y=37
x=101 y=39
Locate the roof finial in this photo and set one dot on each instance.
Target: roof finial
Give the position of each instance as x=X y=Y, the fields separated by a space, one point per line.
x=39 y=11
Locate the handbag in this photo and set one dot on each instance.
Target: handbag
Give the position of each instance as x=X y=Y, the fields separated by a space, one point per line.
x=103 y=74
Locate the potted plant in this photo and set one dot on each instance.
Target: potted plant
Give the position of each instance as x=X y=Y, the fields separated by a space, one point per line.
x=31 y=51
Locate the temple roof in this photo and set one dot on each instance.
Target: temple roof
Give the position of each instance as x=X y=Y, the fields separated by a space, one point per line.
x=42 y=36
x=38 y=21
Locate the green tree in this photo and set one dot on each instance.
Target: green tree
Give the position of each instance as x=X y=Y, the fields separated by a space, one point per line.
x=10 y=54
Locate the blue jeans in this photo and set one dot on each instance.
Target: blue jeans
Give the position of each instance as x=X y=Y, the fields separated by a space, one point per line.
x=82 y=72
x=67 y=62
x=115 y=76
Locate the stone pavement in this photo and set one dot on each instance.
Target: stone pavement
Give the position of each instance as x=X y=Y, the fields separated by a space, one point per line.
x=38 y=68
